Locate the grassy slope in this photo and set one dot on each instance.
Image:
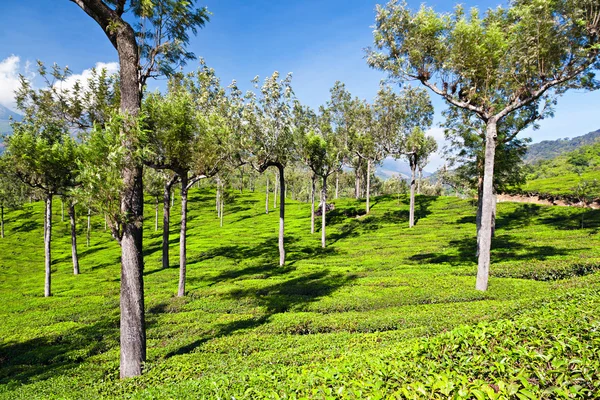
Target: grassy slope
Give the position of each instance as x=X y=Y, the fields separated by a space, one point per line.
x=348 y=320
x=559 y=177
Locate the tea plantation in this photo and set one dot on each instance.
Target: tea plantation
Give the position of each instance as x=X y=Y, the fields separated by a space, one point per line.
x=383 y=312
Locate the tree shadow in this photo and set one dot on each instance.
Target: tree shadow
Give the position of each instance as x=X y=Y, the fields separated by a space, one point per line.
x=504 y=247
x=45 y=357
x=277 y=298
x=27 y=226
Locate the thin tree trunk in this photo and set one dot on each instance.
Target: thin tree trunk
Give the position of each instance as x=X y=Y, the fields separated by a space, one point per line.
x=485 y=235
x=47 y=250
x=368 y=186
x=222 y=206
x=74 y=255
x=218 y=198
x=89 y=227
x=2 y=221
x=156 y=214
x=313 y=189
x=337 y=185
x=411 y=218
x=479 y=210
x=323 y=210
x=275 y=191
x=183 y=235
x=357 y=183
x=267 y=198
x=281 y=215
x=166 y=221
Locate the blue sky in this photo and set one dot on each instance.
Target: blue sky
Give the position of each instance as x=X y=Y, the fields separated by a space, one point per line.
x=319 y=41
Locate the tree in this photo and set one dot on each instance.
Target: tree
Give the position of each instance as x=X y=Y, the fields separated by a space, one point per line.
x=365 y=141
x=418 y=148
x=41 y=151
x=268 y=123
x=153 y=46
x=10 y=191
x=466 y=136
x=491 y=65
x=184 y=135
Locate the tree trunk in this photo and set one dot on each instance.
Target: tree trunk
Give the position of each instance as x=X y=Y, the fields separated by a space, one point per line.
x=357 y=183
x=183 y=235
x=89 y=227
x=313 y=189
x=485 y=235
x=166 y=221
x=74 y=255
x=281 y=215
x=411 y=217
x=2 y=221
x=156 y=214
x=323 y=210
x=337 y=185
x=368 y=186
x=218 y=197
x=275 y=191
x=267 y=198
x=47 y=250
x=132 y=324
x=221 y=207
x=479 y=209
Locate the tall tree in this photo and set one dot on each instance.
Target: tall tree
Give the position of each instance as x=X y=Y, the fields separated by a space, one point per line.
x=153 y=44
x=418 y=148
x=41 y=151
x=269 y=142
x=491 y=65
x=465 y=134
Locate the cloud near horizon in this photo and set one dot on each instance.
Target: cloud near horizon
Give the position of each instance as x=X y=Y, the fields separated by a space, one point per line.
x=11 y=68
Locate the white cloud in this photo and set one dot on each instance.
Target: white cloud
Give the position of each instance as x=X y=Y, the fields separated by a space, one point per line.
x=9 y=80
x=111 y=68
x=436 y=160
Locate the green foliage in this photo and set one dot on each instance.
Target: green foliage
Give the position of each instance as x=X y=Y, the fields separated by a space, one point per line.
x=572 y=175
x=371 y=316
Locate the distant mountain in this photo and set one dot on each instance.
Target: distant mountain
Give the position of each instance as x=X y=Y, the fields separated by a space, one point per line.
x=549 y=149
x=390 y=168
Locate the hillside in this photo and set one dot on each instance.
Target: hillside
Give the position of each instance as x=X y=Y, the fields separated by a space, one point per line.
x=383 y=312
x=571 y=174
x=549 y=149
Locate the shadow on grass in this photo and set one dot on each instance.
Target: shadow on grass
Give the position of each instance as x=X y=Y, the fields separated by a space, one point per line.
x=503 y=247
x=277 y=298
x=45 y=357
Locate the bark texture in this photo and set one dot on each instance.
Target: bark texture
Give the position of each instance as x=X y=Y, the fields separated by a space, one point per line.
x=74 y=254
x=485 y=234
x=47 y=249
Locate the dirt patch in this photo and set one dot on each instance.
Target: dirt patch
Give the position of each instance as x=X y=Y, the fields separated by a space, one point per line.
x=546 y=200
